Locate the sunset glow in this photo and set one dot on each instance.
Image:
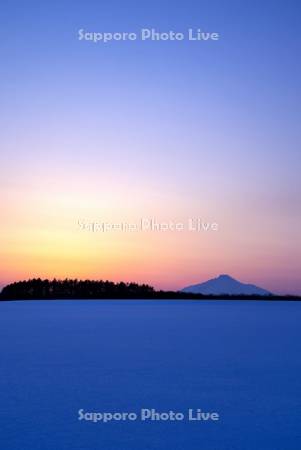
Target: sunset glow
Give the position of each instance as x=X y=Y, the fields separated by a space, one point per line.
x=123 y=131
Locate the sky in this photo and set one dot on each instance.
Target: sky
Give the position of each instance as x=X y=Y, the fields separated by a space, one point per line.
x=169 y=130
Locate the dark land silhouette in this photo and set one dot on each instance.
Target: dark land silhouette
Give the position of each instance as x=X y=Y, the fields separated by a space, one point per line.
x=38 y=289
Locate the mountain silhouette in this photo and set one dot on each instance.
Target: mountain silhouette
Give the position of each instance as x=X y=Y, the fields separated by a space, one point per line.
x=224 y=284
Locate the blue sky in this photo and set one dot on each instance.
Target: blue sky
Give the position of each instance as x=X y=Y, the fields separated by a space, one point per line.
x=205 y=128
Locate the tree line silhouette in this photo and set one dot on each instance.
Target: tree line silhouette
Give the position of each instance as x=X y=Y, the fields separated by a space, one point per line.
x=68 y=288
x=38 y=289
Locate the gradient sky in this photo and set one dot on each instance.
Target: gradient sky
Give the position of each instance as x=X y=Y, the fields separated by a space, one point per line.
x=169 y=130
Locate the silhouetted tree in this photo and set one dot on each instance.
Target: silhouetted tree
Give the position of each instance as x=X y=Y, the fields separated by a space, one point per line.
x=68 y=288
